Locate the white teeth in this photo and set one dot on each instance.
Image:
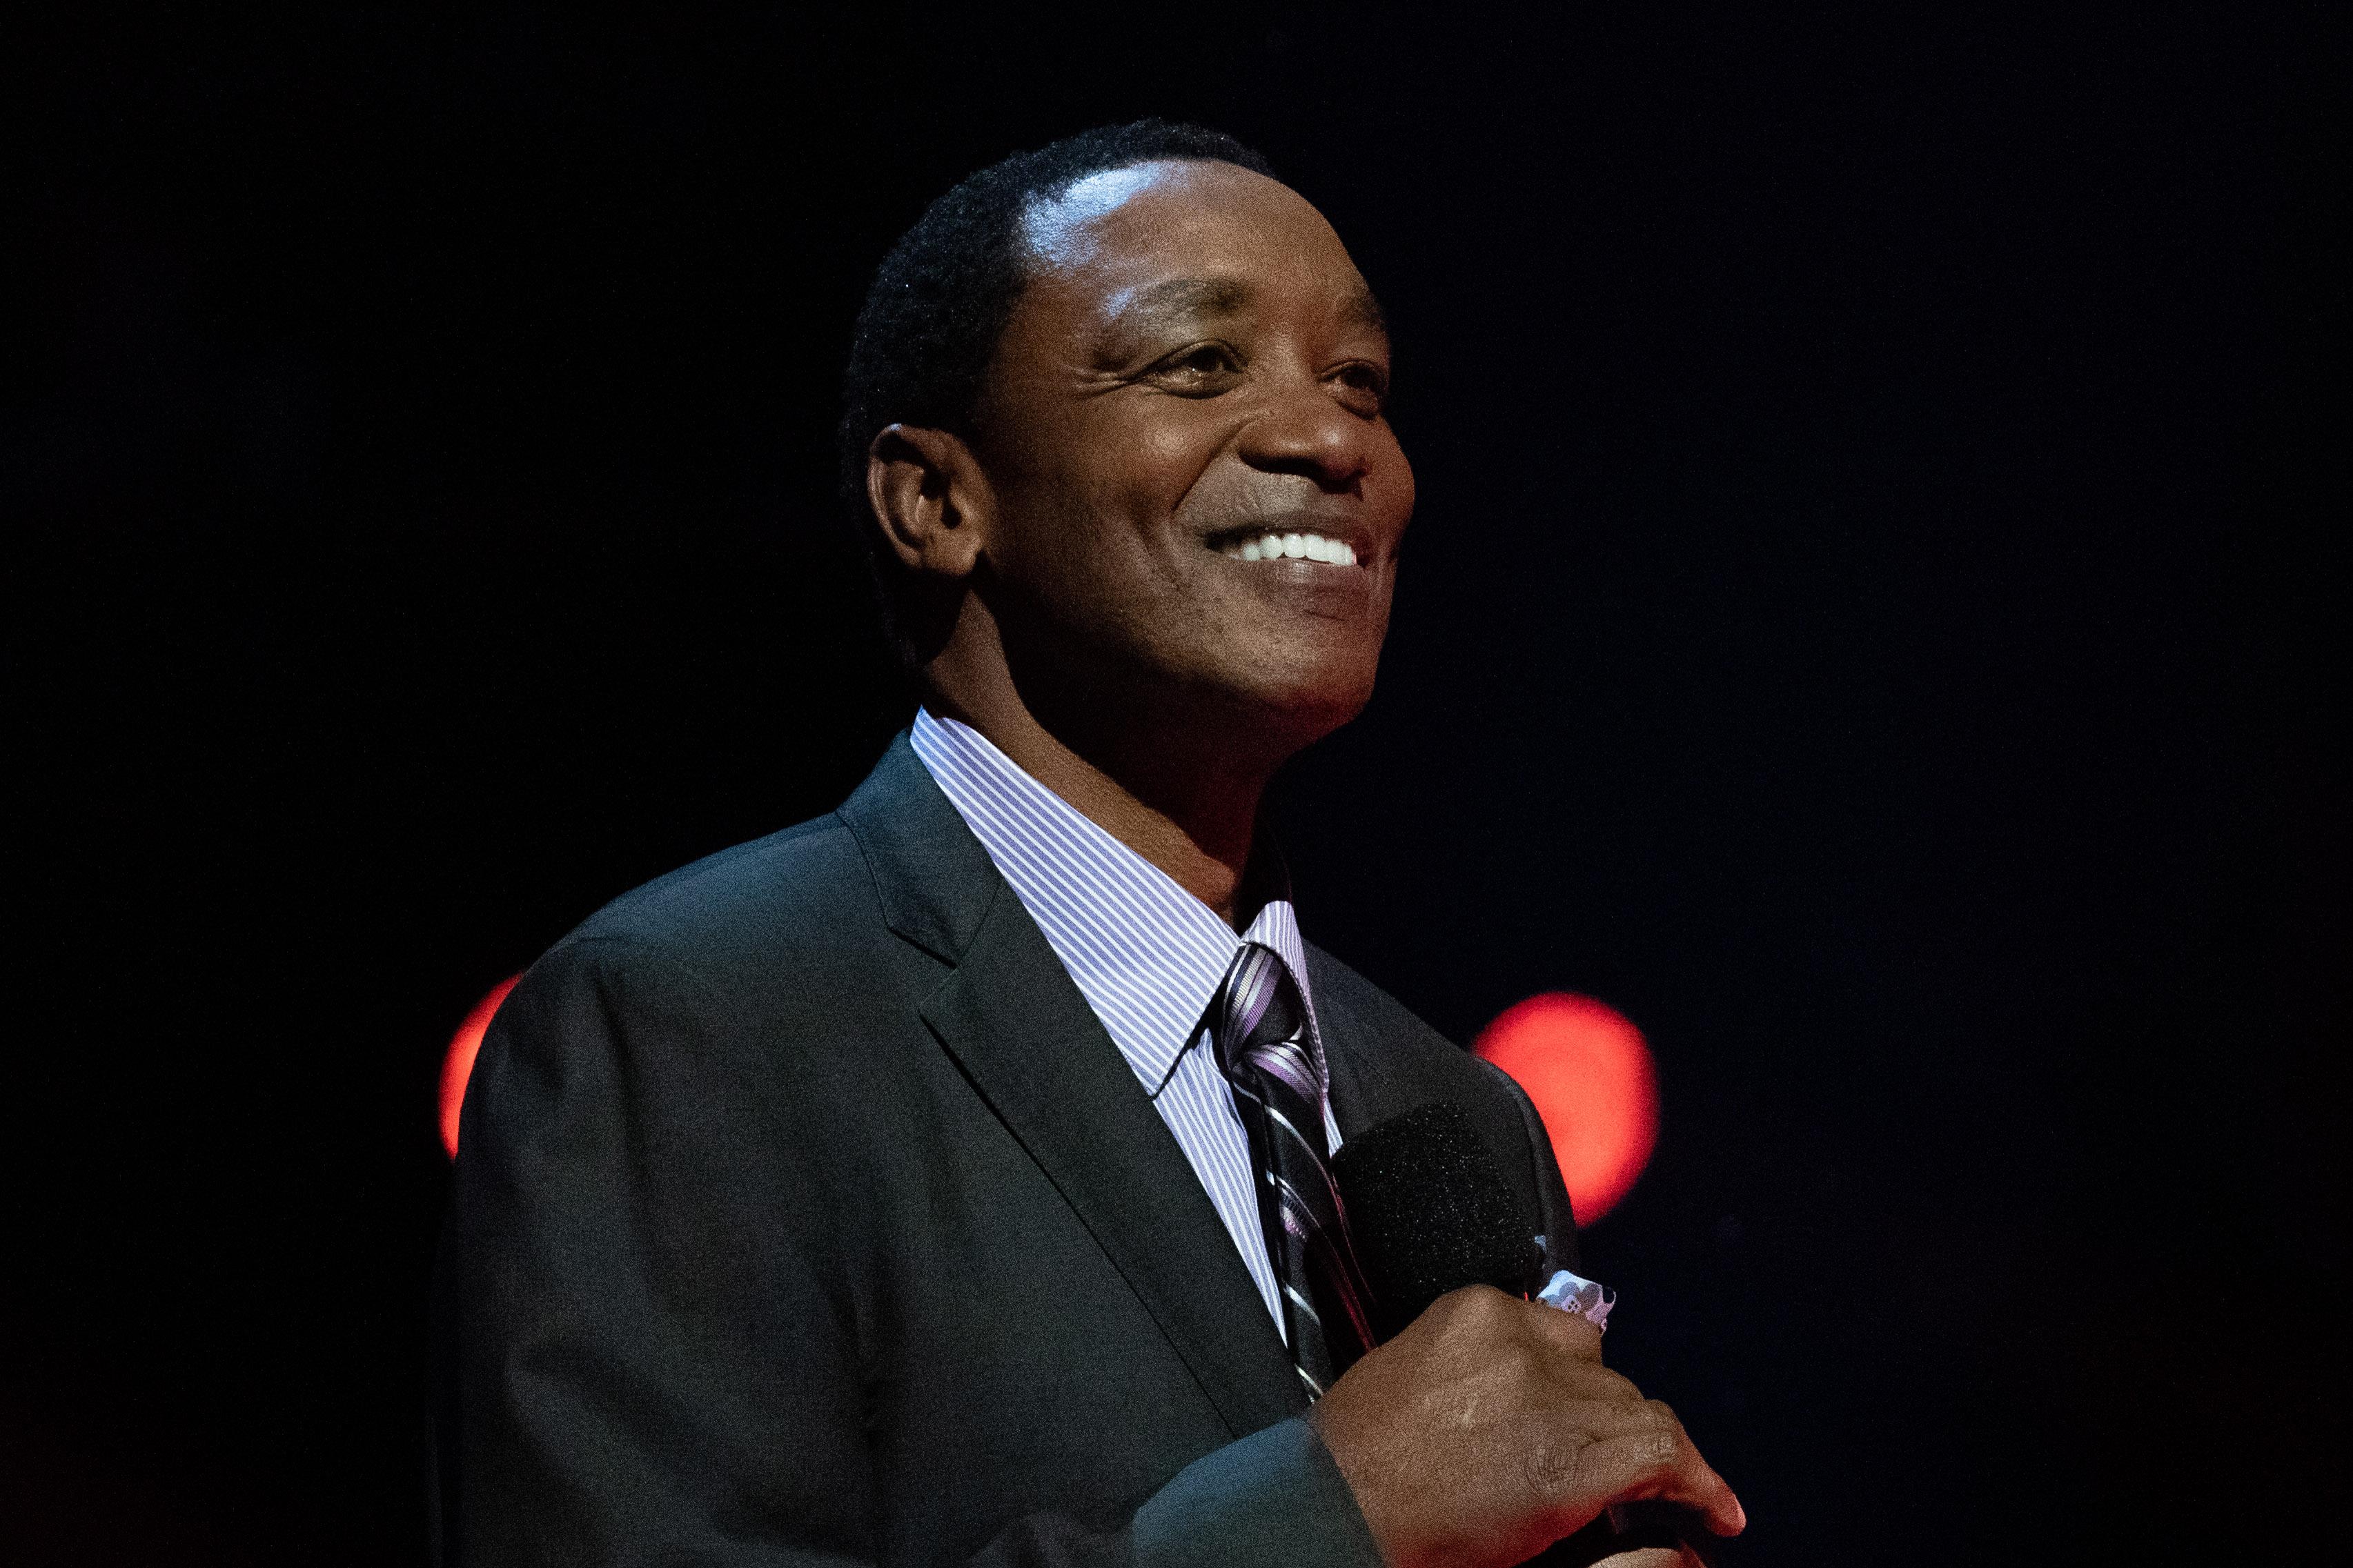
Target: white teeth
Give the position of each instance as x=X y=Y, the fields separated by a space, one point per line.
x=1295 y=547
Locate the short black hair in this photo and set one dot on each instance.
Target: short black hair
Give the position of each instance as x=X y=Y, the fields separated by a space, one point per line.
x=941 y=299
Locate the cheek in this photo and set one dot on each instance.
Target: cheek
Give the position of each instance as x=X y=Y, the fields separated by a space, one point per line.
x=1140 y=471
x=1392 y=480
x=1085 y=554
x=1168 y=454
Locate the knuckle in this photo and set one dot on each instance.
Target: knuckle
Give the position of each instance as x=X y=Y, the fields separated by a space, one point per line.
x=1660 y=1416
x=1456 y=1307
x=1602 y=1385
x=1481 y=1304
x=1620 y=1389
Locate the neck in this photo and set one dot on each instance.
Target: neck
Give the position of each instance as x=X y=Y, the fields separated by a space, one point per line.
x=1181 y=806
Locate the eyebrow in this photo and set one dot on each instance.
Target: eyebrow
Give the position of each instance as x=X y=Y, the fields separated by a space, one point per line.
x=1181 y=296
x=1189 y=297
x=1362 y=309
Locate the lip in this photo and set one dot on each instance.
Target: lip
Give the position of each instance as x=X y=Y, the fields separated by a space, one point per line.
x=1305 y=592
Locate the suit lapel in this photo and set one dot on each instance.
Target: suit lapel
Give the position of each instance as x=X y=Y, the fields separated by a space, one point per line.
x=1360 y=1092
x=1030 y=1044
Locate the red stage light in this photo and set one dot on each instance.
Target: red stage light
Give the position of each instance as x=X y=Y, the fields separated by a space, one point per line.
x=458 y=1065
x=1589 y=1073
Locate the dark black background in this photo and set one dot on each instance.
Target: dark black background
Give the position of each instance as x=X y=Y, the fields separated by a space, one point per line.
x=1871 y=617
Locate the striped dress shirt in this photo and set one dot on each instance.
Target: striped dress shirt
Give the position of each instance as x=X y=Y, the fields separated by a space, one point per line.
x=1146 y=955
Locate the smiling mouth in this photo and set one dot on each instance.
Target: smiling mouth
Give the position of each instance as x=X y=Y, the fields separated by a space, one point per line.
x=1287 y=547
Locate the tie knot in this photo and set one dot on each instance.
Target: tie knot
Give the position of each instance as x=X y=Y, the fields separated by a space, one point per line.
x=1258 y=1006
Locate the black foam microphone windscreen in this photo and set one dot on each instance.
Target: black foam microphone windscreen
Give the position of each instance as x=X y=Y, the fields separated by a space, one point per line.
x=1429 y=1211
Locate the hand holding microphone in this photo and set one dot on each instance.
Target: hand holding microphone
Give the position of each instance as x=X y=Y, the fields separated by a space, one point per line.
x=1489 y=1429
x=1485 y=1428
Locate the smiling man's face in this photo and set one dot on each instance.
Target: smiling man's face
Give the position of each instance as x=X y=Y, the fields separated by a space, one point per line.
x=1197 y=496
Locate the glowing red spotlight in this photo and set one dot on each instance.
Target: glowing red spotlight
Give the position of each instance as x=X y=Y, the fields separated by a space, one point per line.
x=458 y=1065
x=1589 y=1073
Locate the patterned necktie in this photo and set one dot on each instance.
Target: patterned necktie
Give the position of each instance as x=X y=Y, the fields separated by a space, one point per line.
x=1258 y=1024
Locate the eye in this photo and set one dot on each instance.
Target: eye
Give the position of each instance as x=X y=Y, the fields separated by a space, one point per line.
x=1202 y=371
x=1362 y=386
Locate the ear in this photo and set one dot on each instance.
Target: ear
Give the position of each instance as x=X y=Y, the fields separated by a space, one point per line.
x=929 y=498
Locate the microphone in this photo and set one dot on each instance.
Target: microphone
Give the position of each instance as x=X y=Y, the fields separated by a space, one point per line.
x=1431 y=1211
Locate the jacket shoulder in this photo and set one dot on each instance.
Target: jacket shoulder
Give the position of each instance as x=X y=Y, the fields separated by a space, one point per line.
x=728 y=982
x=803 y=885
x=779 y=933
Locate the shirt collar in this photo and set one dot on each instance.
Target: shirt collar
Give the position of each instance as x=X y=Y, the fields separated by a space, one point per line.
x=1146 y=955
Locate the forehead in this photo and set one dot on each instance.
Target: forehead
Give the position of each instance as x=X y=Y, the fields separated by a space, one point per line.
x=1113 y=236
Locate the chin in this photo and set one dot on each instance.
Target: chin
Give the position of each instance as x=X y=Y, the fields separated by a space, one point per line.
x=1302 y=709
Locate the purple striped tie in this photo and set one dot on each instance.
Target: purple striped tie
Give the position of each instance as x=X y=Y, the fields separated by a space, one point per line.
x=1258 y=1026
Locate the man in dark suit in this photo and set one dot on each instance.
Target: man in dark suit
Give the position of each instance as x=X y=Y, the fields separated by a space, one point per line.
x=869 y=1192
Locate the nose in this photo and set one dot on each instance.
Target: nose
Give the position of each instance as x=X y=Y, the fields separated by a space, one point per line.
x=1304 y=430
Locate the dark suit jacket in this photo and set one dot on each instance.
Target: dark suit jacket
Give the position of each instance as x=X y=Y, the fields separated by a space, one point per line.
x=805 y=1212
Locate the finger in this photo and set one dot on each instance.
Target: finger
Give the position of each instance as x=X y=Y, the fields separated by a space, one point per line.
x=1563 y=1334
x=1656 y=1462
x=1582 y=1380
x=1585 y=1422
x=1567 y=1353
